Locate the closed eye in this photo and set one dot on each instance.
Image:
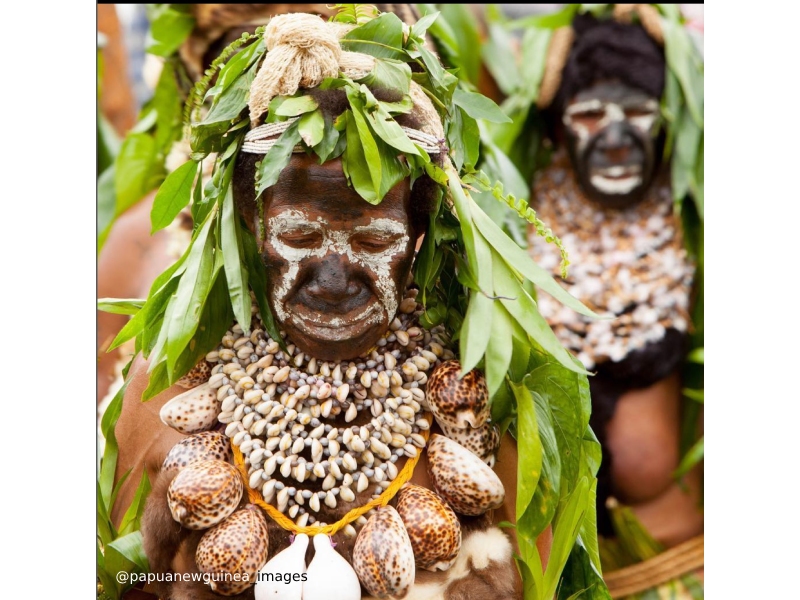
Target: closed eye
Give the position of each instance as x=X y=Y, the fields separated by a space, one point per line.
x=372 y=244
x=301 y=239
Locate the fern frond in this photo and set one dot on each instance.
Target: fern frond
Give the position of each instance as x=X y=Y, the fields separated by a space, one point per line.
x=195 y=100
x=354 y=14
x=523 y=209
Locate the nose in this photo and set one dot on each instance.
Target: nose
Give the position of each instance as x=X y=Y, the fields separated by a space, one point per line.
x=332 y=281
x=616 y=143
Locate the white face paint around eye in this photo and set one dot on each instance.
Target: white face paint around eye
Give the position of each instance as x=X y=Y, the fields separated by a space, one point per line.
x=378 y=264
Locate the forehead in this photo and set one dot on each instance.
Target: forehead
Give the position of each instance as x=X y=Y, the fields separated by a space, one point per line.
x=612 y=91
x=322 y=191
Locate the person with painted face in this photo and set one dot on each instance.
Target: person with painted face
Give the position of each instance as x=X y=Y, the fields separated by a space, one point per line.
x=607 y=194
x=307 y=385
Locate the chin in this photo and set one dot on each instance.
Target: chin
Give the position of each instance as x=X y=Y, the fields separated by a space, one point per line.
x=328 y=337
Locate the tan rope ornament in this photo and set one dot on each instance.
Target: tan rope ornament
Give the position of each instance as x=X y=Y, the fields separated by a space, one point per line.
x=670 y=564
x=303 y=51
x=648 y=17
x=557 y=54
x=286 y=523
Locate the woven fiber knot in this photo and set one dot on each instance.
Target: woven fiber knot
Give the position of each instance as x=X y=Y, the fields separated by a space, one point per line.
x=302 y=51
x=301 y=31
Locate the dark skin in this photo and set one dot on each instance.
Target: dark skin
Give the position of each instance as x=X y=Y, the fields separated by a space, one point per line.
x=610 y=130
x=331 y=286
x=144 y=441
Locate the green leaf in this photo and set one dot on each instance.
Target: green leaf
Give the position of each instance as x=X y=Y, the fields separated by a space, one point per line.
x=529 y=449
x=330 y=136
x=419 y=28
x=292 y=107
x=697 y=356
x=120 y=306
x=132 y=517
x=580 y=578
x=312 y=128
x=463 y=137
x=130 y=546
x=457 y=32
x=692 y=458
x=133 y=170
x=565 y=531
x=535 y=43
x=108 y=464
x=387 y=129
x=173 y=195
x=259 y=283
x=684 y=62
x=475 y=331
x=479 y=106
x=548 y=21
x=191 y=295
x=499 y=59
x=498 y=350
x=381 y=37
x=270 y=167
x=235 y=271
x=549 y=488
x=567 y=396
x=237 y=64
x=167 y=107
x=170 y=25
x=524 y=310
x=229 y=104
x=520 y=261
x=388 y=73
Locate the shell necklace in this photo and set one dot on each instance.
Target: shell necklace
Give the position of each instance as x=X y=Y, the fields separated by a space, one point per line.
x=273 y=403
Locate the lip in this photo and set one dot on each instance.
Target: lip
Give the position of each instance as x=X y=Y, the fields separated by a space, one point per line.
x=615 y=185
x=618 y=172
x=349 y=325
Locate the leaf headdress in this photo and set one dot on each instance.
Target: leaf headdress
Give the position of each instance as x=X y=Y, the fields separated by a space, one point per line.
x=471 y=275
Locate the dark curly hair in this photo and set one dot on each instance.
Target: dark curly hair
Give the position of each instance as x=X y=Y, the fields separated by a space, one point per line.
x=606 y=49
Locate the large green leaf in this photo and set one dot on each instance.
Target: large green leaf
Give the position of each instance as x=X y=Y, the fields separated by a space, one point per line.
x=173 y=195
x=499 y=59
x=476 y=331
x=580 y=578
x=566 y=394
x=498 y=350
x=190 y=297
x=132 y=517
x=388 y=73
x=270 y=167
x=120 y=306
x=520 y=261
x=235 y=270
x=170 y=25
x=566 y=528
x=548 y=488
x=133 y=172
x=524 y=310
x=130 y=546
x=479 y=106
x=387 y=28
x=529 y=465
